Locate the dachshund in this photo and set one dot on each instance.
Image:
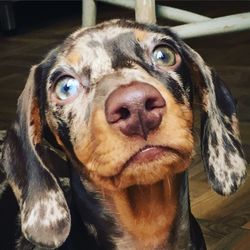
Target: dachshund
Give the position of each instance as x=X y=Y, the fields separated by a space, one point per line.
x=109 y=112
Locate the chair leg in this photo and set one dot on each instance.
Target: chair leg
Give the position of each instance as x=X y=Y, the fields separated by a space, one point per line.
x=88 y=13
x=145 y=11
x=7 y=17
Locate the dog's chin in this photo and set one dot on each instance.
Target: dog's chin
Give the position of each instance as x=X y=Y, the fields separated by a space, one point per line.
x=148 y=166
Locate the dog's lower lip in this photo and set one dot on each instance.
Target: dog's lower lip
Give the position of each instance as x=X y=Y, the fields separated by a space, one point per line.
x=148 y=154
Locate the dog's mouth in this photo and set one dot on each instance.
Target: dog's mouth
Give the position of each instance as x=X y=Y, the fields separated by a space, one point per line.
x=150 y=164
x=148 y=154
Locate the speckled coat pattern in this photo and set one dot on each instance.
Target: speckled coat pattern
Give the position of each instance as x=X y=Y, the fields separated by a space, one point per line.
x=78 y=172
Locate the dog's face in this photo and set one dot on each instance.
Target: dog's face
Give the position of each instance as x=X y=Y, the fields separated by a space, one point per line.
x=118 y=99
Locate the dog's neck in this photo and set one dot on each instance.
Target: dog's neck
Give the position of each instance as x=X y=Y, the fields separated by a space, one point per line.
x=148 y=213
x=149 y=217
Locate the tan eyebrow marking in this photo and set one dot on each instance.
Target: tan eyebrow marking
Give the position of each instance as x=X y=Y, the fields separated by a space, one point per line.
x=140 y=35
x=73 y=57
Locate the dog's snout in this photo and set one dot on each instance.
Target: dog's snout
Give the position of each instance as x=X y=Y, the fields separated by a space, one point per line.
x=136 y=109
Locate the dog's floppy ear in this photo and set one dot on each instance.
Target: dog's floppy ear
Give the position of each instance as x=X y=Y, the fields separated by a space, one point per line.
x=221 y=148
x=45 y=217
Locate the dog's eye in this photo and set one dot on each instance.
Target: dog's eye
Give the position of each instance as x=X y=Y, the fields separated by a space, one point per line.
x=164 y=56
x=66 y=88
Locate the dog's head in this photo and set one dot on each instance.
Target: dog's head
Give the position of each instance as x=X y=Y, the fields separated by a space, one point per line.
x=118 y=100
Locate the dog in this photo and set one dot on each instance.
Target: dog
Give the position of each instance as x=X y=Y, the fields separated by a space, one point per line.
x=111 y=112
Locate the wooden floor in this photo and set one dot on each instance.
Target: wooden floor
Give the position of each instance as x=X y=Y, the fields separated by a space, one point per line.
x=225 y=220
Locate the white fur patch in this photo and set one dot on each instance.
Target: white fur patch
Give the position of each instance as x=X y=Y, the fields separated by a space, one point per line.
x=219 y=162
x=45 y=212
x=47 y=223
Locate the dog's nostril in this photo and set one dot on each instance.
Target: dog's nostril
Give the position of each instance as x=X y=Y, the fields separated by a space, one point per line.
x=150 y=104
x=124 y=113
x=154 y=103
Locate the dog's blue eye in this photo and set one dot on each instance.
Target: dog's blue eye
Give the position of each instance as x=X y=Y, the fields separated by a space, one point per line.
x=67 y=87
x=164 y=56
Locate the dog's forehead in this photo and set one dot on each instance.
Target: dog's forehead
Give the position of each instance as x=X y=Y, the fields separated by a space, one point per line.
x=88 y=45
x=99 y=34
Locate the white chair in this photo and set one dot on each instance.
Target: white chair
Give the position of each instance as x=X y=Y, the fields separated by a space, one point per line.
x=196 y=25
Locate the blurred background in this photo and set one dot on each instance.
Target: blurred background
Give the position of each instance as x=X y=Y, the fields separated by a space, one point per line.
x=41 y=25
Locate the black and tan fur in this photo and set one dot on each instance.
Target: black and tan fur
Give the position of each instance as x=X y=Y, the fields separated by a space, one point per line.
x=115 y=202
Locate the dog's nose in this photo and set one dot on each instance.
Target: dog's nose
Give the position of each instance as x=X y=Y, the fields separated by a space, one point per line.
x=136 y=109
